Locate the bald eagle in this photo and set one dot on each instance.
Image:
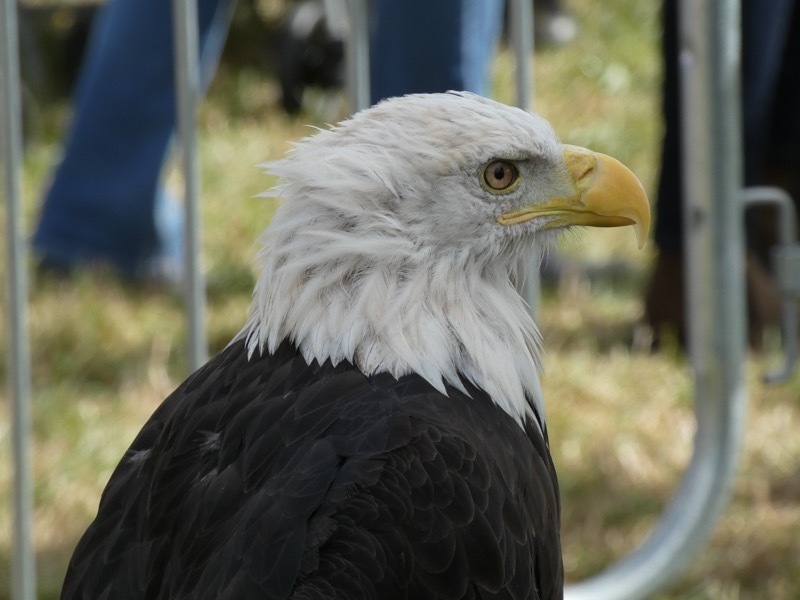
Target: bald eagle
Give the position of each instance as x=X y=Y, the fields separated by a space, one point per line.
x=377 y=428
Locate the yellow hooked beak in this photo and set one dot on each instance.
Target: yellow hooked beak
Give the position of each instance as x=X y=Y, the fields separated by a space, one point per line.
x=607 y=194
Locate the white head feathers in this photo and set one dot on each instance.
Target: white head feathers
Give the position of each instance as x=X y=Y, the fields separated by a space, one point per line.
x=386 y=251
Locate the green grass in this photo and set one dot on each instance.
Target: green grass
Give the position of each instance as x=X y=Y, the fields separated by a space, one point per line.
x=621 y=422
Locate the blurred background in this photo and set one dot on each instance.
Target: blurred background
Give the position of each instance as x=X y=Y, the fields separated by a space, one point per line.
x=105 y=352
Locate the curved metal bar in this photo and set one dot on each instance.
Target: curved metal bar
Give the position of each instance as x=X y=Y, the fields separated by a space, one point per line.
x=784 y=271
x=23 y=560
x=715 y=299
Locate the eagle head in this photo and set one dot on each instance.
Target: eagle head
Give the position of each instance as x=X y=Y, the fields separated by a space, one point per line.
x=402 y=229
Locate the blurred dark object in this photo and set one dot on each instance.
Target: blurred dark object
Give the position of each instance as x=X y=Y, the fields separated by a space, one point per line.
x=666 y=313
x=552 y=23
x=52 y=40
x=308 y=53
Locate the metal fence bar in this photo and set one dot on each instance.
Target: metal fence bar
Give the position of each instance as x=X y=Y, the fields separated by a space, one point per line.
x=521 y=25
x=357 y=55
x=715 y=300
x=785 y=258
x=187 y=86
x=23 y=561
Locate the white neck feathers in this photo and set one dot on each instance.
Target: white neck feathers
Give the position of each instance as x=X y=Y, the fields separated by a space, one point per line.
x=376 y=301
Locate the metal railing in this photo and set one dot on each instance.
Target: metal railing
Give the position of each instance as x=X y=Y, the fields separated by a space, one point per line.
x=715 y=297
x=23 y=559
x=710 y=67
x=786 y=269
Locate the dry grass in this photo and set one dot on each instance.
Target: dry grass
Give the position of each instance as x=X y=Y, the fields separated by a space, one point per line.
x=621 y=421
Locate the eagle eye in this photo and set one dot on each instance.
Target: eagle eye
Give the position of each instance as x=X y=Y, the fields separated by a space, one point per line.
x=500 y=175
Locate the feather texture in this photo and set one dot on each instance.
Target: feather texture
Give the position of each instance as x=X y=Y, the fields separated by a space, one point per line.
x=269 y=477
x=386 y=251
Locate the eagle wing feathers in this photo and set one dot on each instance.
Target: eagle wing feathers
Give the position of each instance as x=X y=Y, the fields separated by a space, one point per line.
x=274 y=478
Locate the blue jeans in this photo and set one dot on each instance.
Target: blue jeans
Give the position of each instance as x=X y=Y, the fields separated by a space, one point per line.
x=102 y=203
x=433 y=45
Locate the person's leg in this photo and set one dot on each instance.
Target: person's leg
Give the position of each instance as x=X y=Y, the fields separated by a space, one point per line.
x=664 y=296
x=433 y=45
x=765 y=28
x=668 y=232
x=783 y=153
x=101 y=203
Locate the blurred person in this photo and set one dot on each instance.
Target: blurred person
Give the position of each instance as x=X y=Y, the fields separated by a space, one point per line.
x=105 y=203
x=770 y=95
